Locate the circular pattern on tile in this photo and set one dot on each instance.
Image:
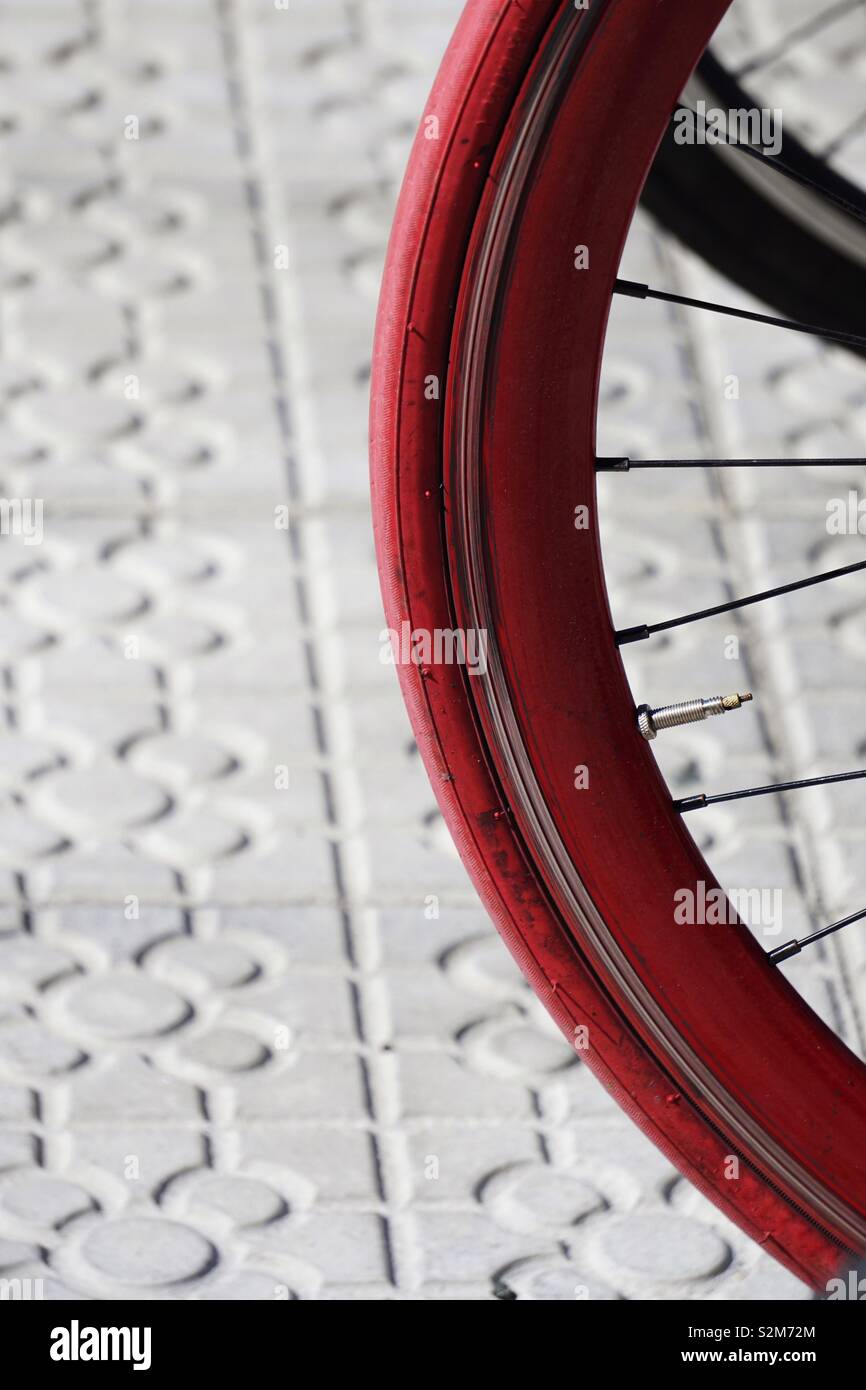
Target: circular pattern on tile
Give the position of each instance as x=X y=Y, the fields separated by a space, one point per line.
x=109 y=795
x=534 y=1198
x=148 y=1252
x=124 y=1007
x=246 y=1201
x=226 y=1050
x=42 y=1199
x=664 y=1247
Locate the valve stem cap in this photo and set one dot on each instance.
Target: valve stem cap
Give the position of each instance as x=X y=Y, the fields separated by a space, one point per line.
x=650 y=722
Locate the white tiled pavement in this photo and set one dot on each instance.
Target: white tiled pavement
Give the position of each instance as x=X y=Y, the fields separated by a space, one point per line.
x=241 y=1056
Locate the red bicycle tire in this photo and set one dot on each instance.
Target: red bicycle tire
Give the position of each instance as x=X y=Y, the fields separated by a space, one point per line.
x=707 y=1047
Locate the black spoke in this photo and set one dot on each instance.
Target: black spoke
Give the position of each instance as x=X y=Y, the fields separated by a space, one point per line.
x=627 y=465
x=793 y=948
x=638 y=291
x=697 y=803
x=794 y=36
x=644 y=630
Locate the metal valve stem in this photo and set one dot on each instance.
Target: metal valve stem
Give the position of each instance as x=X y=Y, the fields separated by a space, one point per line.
x=652 y=721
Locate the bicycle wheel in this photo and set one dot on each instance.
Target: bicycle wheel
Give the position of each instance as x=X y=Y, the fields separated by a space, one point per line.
x=520 y=190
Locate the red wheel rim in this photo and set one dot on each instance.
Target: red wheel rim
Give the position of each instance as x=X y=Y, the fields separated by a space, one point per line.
x=706 y=1045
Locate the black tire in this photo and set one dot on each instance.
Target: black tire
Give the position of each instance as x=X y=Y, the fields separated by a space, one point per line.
x=710 y=200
